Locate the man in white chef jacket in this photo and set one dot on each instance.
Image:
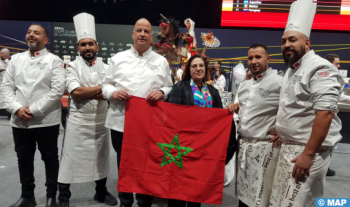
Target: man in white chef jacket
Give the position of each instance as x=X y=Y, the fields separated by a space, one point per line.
x=307 y=118
x=335 y=60
x=85 y=151
x=139 y=72
x=32 y=87
x=4 y=55
x=257 y=107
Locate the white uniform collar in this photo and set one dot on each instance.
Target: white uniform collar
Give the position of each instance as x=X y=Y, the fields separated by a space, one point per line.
x=137 y=53
x=39 y=53
x=298 y=64
x=260 y=77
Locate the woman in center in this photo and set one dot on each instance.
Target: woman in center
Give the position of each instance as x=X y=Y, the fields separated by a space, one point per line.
x=193 y=90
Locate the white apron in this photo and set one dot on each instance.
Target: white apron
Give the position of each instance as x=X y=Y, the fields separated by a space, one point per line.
x=287 y=192
x=255 y=168
x=85 y=150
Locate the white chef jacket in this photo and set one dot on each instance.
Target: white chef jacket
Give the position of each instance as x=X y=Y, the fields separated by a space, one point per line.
x=81 y=74
x=313 y=85
x=3 y=65
x=220 y=83
x=138 y=75
x=35 y=82
x=258 y=105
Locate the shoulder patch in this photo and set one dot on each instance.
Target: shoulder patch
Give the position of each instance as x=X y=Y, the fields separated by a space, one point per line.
x=323 y=73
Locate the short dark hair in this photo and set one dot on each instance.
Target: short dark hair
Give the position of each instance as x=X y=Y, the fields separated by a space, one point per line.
x=222 y=72
x=187 y=73
x=256 y=45
x=219 y=62
x=331 y=57
x=40 y=25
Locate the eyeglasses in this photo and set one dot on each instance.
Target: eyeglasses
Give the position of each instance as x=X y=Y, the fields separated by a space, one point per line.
x=194 y=67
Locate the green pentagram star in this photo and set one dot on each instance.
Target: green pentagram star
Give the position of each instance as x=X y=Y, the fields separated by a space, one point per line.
x=178 y=158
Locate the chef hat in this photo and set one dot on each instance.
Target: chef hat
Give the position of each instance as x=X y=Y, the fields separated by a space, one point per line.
x=84 y=26
x=301 y=16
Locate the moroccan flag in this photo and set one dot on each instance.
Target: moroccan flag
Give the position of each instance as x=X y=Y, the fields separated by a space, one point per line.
x=174 y=151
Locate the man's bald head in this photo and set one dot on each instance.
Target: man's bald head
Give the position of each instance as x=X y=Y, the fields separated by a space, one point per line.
x=5 y=51
x=143 y=21
x=4 y=54
x=142 y=35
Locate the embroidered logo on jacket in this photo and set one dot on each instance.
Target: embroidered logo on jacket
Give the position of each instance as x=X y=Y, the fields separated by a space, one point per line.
x=264 y=93
x=152 y=67
x=295 y=79
x=42 y=65
x=102 y=76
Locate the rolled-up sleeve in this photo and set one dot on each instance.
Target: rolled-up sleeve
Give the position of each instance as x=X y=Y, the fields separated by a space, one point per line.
x=325 y=86
x=166 y=87
x=8 y=90
x=58 y=83
x=72 y=79
x=108 y=87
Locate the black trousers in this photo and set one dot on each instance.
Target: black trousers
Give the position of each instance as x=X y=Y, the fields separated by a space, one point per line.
x=179 y=203
x=25 y=147
x=127 y=199
x=65 y=193
x=241 y=204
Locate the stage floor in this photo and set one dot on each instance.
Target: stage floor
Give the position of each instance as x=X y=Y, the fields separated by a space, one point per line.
x=82 y=194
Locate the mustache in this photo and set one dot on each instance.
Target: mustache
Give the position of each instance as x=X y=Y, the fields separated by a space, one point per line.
x=86 y=51
x=289 y=50
x=31 y=39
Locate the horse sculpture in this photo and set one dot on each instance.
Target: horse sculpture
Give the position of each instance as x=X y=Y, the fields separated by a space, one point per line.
x=169 y=37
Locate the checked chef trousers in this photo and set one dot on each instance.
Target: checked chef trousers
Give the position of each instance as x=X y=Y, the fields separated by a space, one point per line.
x=25 y=146
x=127 y=199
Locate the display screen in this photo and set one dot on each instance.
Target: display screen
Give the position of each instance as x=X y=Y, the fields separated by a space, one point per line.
x=330 y=14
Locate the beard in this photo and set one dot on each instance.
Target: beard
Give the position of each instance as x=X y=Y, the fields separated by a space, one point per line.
x=289 y=61
x=33 y=45
x=262 y=68
x=88 y=57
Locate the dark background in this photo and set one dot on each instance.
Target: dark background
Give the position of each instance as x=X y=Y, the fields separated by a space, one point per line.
x=206 y=12
x=123 y=14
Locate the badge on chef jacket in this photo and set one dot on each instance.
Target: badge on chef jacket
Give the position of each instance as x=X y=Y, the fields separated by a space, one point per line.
x=323 y=73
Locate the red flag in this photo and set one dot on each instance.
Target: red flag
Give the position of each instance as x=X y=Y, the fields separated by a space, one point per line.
x=174 y=151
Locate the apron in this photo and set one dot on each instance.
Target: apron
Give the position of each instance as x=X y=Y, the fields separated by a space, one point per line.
x=85 y=150
x=255 y=168
x=287 y=192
